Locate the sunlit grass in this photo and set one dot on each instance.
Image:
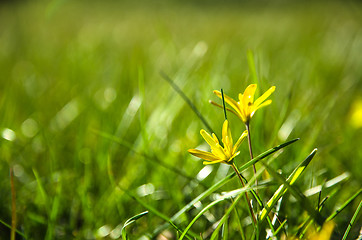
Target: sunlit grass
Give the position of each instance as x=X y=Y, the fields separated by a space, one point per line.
x=85 y=114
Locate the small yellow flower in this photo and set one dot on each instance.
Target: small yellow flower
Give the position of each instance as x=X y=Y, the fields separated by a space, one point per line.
x=246 y=107
x=218 y=153
x=324 y=234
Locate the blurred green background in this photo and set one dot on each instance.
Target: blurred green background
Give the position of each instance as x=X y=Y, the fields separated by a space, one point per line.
x=74 y=73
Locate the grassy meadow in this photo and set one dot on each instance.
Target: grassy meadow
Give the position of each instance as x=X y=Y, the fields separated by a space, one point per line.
x=93 y=134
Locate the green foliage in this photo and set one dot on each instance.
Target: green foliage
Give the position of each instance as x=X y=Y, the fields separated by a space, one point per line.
x=95 y=134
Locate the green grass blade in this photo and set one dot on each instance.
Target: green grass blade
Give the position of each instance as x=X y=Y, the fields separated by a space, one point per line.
x=281 y=190
x=222 y=182
x=110 y=172
x=256 y=196
x=287 y=185
x=225 y=217
x=252 y=68
x=54 y=212
x=305 y=202
x=280 y=227
x=130 y=221
x=266 y=210
x=333 y=215
x=265 y=154
x=199 y=215
x=17 y=231
x=307 y=222
x=239 y=224
x=142 y=110
x=41 y=189
x=187 y=100
x=156 y=212
x=352 y=220
x=148 y=156
x=225 y=230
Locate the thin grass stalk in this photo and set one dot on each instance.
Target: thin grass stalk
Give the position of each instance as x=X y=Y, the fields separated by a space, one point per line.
x=187 y=100
x=13 y=205
x=308 y=222
x=198 y=216
x=225 y=230
x=159 y=214
x=9 y=227
x=352 y=221
x=256 y=196
x=251 y=152
x=224 y=218
x=242 y=234
x=280 y=227
x=223 y=103
x=252 y=69
x=246 y=194
x=251 y=157
x=334 y=214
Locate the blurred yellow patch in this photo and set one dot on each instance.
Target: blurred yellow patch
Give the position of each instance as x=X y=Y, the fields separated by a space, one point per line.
x=355 y=116
x=324 y=234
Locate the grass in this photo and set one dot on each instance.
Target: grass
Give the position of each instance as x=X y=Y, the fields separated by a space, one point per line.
x=95 y=135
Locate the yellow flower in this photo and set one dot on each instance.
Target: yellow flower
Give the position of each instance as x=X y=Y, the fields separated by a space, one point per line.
x=246 y=107
x=218 y=153
x=324 y=234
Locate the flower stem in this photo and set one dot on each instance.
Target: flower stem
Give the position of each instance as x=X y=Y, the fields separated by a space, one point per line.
x=246 y=193
x=251 y=150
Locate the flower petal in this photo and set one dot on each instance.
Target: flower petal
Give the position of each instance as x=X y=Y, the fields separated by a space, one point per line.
x=226 y=130
x=264 y=96
x=240 y=140
x=216 y=149
x=219 y=152
x=215 y=138
x=248 y=99
x=226 y=137
x=213 y=162
x=243 y=111
x=204 y=155
x=266 y=103
x=208 y=138
x=249 y=92
x=240 y=97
